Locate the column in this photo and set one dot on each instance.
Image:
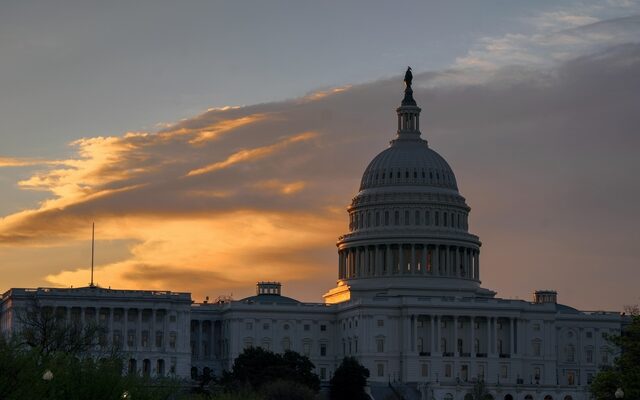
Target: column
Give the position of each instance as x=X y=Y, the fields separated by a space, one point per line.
x=447 y=263
x=432 y=320
x=367 y=261
x=125 y=334
x=389 y=253
x=455 y=336
x=425 y=255
x=435 y=265
x=152 y=333
x=477 y=266
x=401 y=259
x=138 y=341
x=110 y=337
x=472 y=347
x=414 y=265
x=199 y=345
x=495 y=336
x=437 y=335
x=82 y=316
x=489 y=347
x=512 y=336
x=165 y=330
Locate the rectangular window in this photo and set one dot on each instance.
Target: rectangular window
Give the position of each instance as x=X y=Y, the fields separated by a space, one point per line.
x=380 y=369
x=117 y=338
x=447 y=370
x=427 y=218
x=172 y=340
x=536 y=348
x=378 y=218
x=396 y=218
x=249 y=326
x=380 y=322
x=307 y=327
x=589 y=356
x=306 y=348
x=144 y=342
x=589 y=334
x=265 y=326
x=323 y=349
x=417 y=221
x=131 y=338
x=504 y=371
x=406 y=217
x=159 y=338
x=424 y=370
x=536 y=374
x=386 y=217
x=172 y=318
x=380 y=345
x=323 y=374
x=536 y=327
x=323 y=328
x=481 y=371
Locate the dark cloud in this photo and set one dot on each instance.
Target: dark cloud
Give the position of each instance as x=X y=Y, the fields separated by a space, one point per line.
x=547 y=158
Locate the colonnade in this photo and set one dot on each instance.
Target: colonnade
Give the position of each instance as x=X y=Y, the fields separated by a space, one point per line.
x=207 y=339
x=409 y=259
x=464 y=335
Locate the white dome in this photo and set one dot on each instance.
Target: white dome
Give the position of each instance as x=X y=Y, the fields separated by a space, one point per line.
x=408 y=163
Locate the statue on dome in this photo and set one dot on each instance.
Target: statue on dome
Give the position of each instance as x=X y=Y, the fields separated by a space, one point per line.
x=408 y=77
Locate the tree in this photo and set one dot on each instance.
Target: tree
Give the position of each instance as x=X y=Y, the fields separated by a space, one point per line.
x=256 y=367
x=625 y=372
x=349 y=380
x=48 y=333
x=479 y=391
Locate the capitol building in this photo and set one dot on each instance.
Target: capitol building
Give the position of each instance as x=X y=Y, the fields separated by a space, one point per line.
x=408 y=303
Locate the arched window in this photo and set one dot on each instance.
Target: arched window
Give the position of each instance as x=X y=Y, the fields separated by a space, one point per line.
x=568 y=397
x=437 y=217
x=406 y=217
x=448 y=396
x=160 y=367
x=427 y=218
x=146 y=367
x=444 y=218
x=132 y=368
x=417 y=221
x=528 y=397
x=508 y=397
x=377 y=218
x=386 y=217
x=548 y=397
x=396 y=217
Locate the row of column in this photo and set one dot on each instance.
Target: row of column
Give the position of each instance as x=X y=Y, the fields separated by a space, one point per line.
x=416 y=259
x=211 y=339
x=489 y=346
x=153 y=325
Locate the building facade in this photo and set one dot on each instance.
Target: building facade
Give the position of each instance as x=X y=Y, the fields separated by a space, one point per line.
x=408 y=302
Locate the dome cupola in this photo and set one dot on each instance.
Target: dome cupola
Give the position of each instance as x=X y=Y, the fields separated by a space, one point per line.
x=408 y=224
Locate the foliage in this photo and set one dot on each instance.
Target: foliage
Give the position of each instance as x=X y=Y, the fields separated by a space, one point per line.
x=625 y=372
x=286 y=390
x=479 y=391
x=22 y=371
x=48 y=333
x=255 y=367
x=349 y=380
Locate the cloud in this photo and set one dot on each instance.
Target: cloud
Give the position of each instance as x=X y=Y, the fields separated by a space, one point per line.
x=545 y=154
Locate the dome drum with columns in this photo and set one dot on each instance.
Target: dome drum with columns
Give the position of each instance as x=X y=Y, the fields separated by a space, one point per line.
x=408 y=224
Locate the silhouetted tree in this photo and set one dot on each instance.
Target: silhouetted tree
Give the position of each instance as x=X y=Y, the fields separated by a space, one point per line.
x=349 y=380
x=256 y=366
x=625 y=372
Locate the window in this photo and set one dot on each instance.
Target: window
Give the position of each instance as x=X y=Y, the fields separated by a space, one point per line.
x=380 y=367
x=504 y=371
x=131 y=337
x=406 y=217
x=447 y=370
x=306 y=348
x=427 y=219
x=172 y=340
x=380 y=345
x=386 y=217
x=172 y=367
x=589 y=334
x=286 y=344
x=380 y=322
x=536 y=327
x=159 y=337
x=323 y=373
x=396 y=218
x=444 y=219
x=481 y=371
x=249 y=326
x=172 y=318
x=571 y=378
x=536 y=373
x=323 y=349
x=307 y=327
x=145 y=339
x=417 y=221
x=323 y=328
x=536 y=346
x=377 y=218
x=437 y=217
x=459 y=346
x=443 y=345
x=588 y=355
x=420 y=345
x=424 y=369
x=117 y=338
x=571 y=353
x=265 y=326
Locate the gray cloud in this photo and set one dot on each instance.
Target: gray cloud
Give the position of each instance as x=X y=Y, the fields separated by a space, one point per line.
x=546 y=156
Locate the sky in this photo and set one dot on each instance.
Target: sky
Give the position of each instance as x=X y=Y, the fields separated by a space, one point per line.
x=216 y=144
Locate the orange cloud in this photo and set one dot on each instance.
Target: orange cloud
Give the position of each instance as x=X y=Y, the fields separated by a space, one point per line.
x=252 y=154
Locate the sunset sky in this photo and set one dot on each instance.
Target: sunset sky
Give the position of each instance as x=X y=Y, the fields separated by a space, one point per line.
x=216 y=144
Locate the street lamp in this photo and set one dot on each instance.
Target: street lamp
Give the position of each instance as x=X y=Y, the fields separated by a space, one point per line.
x=48 y=375
x=619 y=393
